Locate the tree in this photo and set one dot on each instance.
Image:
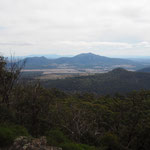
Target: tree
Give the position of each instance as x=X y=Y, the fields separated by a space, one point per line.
x=9 y=75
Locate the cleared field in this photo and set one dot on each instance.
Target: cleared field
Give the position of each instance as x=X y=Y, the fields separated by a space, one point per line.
x=48 y=71
x=60 y=76
x=51 y=74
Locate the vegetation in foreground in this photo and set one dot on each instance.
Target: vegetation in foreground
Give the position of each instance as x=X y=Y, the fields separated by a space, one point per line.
x=72 y=121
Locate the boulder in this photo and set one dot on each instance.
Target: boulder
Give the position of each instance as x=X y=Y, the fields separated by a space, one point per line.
x=27 y=143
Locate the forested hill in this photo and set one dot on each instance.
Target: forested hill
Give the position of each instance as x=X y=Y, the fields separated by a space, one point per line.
x=85 y=60
x=79 y=121
x=147 y=69
x=116 y=81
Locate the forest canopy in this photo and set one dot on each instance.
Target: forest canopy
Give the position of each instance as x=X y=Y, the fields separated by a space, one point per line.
x=72 y=121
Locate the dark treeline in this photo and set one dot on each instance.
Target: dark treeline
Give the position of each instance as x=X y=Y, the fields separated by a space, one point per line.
x=72 y=121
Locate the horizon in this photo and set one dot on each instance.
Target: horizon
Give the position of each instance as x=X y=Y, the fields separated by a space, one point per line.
x=55 y=56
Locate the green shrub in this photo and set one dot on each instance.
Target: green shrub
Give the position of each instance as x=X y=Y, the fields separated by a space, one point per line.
x=9 y=133
x=56 y=137
x=6 y=136
x=87 y=147
x=110 y=141
x=19 y=130
x=74 y=146
x=71 y=146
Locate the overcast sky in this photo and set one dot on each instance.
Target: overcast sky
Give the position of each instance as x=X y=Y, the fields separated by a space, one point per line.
x=69 y=27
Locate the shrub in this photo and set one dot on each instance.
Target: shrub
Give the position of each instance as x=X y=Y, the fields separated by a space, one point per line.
x=19 y=131
x=6 y=136
x=110 y=141
x=74 y=146
x=56 y=137
x=9 y=133
x=71 y=146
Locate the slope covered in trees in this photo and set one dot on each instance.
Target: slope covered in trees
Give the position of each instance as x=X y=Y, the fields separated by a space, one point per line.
x=73 y=121
x=116 y=81
x=147 y=69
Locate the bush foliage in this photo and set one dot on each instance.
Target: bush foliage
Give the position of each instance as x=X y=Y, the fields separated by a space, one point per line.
x=85 y=121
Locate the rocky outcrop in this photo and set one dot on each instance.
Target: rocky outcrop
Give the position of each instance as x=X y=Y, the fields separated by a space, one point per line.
x=26 y=143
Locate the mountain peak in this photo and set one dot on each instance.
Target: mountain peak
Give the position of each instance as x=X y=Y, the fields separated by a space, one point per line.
x=87 y=55
x=84 y=60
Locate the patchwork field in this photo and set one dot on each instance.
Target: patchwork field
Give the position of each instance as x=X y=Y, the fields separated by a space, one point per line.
x=47 y=74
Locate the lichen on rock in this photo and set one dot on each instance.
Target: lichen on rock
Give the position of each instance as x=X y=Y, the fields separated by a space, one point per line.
x=28 y=143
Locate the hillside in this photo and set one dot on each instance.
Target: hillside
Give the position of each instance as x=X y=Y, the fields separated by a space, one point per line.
x=147 y=69
x=116 y=81
x=86 y=60
x=36 y=62
x=33 y=117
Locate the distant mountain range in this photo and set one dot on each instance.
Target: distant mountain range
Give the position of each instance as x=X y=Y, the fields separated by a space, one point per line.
x=50 y=56
x=85 y=60
x=116 y=81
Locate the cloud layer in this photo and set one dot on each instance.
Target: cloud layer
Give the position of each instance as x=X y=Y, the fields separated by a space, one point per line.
x=105 y=27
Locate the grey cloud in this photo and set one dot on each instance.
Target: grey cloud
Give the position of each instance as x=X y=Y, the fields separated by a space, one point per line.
x=15 y=44
x=70 y=27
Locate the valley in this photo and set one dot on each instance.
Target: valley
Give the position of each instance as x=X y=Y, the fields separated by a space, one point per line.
x=80 y=65
x=50 y=74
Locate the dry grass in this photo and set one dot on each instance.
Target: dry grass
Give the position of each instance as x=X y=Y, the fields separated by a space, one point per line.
x=52 y=74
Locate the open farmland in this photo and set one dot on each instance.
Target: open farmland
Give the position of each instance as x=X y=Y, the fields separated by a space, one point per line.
x=47 y=74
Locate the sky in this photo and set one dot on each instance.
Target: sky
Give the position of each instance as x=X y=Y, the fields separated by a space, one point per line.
x=69 y=27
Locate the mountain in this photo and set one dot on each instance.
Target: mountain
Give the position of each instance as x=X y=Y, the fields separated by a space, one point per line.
x=116 y=81
x=85 y=60
x=147 y=69
x=91 y=59
x=50 y=56
x=36 y=62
